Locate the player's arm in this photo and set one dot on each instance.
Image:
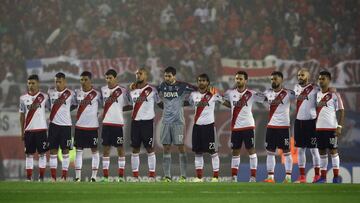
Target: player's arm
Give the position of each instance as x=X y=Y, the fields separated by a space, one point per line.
x=227 y=99
x=160 y=105
x=227 y=103
x=22 y=120
x=340 y=114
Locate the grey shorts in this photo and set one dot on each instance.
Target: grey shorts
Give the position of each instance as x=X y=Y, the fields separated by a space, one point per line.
x=172 y=134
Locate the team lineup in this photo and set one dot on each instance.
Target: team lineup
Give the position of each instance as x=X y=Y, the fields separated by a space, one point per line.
x=318 y=124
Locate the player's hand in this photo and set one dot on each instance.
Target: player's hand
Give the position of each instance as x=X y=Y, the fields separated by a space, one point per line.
x=338 y=131
x=213 y=90
x=132 y=86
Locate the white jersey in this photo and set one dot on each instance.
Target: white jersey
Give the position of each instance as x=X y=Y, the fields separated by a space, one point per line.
x=33 y=106
x=306 y=101
x=241 y=106
x=143 y=101
x=204 y=106
x=279 y=106
x=87 y=111
x=114 y=99
x=327 y=105
x=60 y=106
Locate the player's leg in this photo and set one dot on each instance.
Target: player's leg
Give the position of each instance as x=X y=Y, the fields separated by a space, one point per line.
x=300 y=136
x=30 y=149
x=135 y=144
x=335 y=158
x=42 y=146
x=165 y=138
x=177 y=133
x=95 y=157
x=118 y=142
x=284 y=144
x=196 y=148
x=121 y=163
x=270 y=145
x=106 y=142
x=54 y=143
x=66 y=146
x=249 y=141
x=235 y=159
x=79 y=144
x=322 y=140
x=312 y=145
x=208 y=136
x=148 y=142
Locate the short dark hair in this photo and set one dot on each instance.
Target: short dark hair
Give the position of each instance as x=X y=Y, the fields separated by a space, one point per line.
x=33 y=77
x=325 y=73
x=204 y=76
x=86 y=73
x=171 y=70
x=60 y=75
x=242 y=73
x=111 y=72
x=277 y=73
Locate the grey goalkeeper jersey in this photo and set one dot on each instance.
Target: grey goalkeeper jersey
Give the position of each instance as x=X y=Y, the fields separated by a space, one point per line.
x=173 y=97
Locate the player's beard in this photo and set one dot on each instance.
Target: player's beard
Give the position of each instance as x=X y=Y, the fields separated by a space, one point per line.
x=240 y=86
x=275 y=86
x=139 y=81
x=302 y=82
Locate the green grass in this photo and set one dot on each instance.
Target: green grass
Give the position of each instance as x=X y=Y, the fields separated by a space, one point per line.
x=177 y=192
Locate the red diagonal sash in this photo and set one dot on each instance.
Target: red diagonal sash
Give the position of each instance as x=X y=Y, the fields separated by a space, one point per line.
x=322 y=103
x=302 y=96
x=146 y=92
x=116 y=93
x=205 y=99
x=33 y=107
x=274 y=104
x=58 y=102
x=87 y=100
x=242 y=101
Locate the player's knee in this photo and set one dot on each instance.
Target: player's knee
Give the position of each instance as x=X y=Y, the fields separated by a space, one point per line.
x=333 y=151
x=251 y=151
x=54 y=151
x=150 y=150
x=236 y=152
x=136 y=150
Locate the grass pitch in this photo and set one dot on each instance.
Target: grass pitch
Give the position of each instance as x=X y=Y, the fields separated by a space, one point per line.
x=176 y=192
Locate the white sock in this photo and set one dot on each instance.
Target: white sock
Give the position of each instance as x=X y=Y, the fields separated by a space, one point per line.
x=235 y=162
x=53 y=161
x=288 y=162
x=65 y=162
x=315 y=157
x=324 y=162
x=215 y=161
x=335 y=160
x=78 y=163
x=135 y=162
x=152 y=161
x=42 y=161
x=29 y=162
x=105 y=162
x=301 y=157
x=95 y=164
x=270 y=163
x=199 y=161
x=253 y=161
x=121 y=162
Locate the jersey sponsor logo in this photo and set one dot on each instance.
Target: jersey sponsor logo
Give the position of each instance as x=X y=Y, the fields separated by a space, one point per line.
x=170 y=94
x=33 y=107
